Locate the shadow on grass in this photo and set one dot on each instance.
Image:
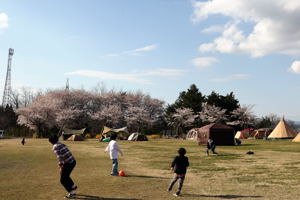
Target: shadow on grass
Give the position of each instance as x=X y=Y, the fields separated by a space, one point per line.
x=222 y=196
x=90 y=197
x=142 y=176
x=227 y=156
x=224 y=155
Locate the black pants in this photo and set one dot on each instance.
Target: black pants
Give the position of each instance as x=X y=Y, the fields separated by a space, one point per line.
x=212 y=149
x=65 y=178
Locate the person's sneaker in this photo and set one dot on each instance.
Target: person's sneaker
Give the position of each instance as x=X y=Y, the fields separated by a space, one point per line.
x=71 y=195
x=175 y=194
x=168 y=190
x=74 y=187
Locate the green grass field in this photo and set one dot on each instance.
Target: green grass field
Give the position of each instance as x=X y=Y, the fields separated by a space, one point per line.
x=30 y=172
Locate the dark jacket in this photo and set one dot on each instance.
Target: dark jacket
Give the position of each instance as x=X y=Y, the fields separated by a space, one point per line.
x=180 y=163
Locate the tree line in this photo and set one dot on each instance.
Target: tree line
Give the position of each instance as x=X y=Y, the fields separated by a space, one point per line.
x=47 y=113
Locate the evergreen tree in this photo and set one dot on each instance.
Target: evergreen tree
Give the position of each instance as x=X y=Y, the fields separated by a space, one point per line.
x=192 y=98
x=227 y=102
x=8 y=118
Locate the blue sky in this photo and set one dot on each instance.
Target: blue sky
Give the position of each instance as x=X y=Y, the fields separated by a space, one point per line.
x=160 y=47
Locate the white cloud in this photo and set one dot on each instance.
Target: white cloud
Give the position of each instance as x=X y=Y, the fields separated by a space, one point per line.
x=213 y=29
x=274 y=26
x=143 y=49
x=295 y=67
x=231 y=78
x=3 y=20
x=113 y=55
x=136 y=52
x=109 y=76
x=203 y=61
x=136 y=76
x=161 y=72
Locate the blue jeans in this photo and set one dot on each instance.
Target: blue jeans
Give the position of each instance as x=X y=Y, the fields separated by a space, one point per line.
x=114 y=170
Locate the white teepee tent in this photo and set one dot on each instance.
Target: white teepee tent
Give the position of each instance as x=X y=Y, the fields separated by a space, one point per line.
x=282 y=131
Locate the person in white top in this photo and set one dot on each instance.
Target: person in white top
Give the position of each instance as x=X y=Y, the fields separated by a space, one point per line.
x=114 y=149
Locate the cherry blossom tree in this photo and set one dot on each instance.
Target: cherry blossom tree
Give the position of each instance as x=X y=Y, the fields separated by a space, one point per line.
x=182 y=118
x=78 y=109
x=110 y=115
x=212 y=114
x=242 y=116
x=39 y=116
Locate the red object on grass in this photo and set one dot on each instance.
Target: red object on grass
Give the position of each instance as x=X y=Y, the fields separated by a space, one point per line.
x=121 y=173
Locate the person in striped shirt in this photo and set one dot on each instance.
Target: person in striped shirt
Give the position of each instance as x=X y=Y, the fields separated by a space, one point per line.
x=66 y=163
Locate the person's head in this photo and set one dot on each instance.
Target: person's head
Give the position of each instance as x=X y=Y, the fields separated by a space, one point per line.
x=113 y=136
x=53 y=139
x=181 y=151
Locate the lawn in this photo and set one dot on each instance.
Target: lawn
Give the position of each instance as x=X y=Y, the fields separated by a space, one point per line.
x=30 y=172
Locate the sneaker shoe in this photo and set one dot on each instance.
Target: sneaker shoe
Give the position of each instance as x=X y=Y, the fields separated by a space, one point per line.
x=70 y=196
x=175 y=194
x=168 y=190
x=74 y=187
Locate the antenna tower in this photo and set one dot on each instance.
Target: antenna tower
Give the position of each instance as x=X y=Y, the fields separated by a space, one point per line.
x=67 y=85
x=7 y=88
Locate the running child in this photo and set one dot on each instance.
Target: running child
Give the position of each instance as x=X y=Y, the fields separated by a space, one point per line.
x=179 y=166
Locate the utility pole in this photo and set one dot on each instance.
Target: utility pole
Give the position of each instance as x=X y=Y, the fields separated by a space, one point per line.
x=7 y=88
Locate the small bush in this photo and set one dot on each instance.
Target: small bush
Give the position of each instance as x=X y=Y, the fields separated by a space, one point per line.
x=98 y=136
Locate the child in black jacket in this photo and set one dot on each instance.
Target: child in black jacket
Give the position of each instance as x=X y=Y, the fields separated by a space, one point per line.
x=179 y=165
x=211 y=146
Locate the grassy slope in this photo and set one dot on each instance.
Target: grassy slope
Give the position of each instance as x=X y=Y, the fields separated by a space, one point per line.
x=30 y=171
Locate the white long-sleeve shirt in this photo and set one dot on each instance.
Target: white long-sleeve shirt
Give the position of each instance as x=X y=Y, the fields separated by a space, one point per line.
x=114 y=149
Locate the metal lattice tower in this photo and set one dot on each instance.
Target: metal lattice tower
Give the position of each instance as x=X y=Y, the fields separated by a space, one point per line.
x=67 y=85
x=7 y=88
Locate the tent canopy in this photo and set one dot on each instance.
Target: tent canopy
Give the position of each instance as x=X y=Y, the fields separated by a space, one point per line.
x=282 y=131
x=66 y=133
x=123 y=132
x=241 y=135
x=73 y=131
x=137 y=137
x=221 y=134
x=262 y=133
x=297 y=138
x=76 y=138
x=248 y=130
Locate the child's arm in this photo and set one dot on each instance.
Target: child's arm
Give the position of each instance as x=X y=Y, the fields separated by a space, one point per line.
x=122 y=154
x=173 y=164
x=107 y=148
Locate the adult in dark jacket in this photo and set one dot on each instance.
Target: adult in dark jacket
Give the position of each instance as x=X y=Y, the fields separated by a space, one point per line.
x=179 y=166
